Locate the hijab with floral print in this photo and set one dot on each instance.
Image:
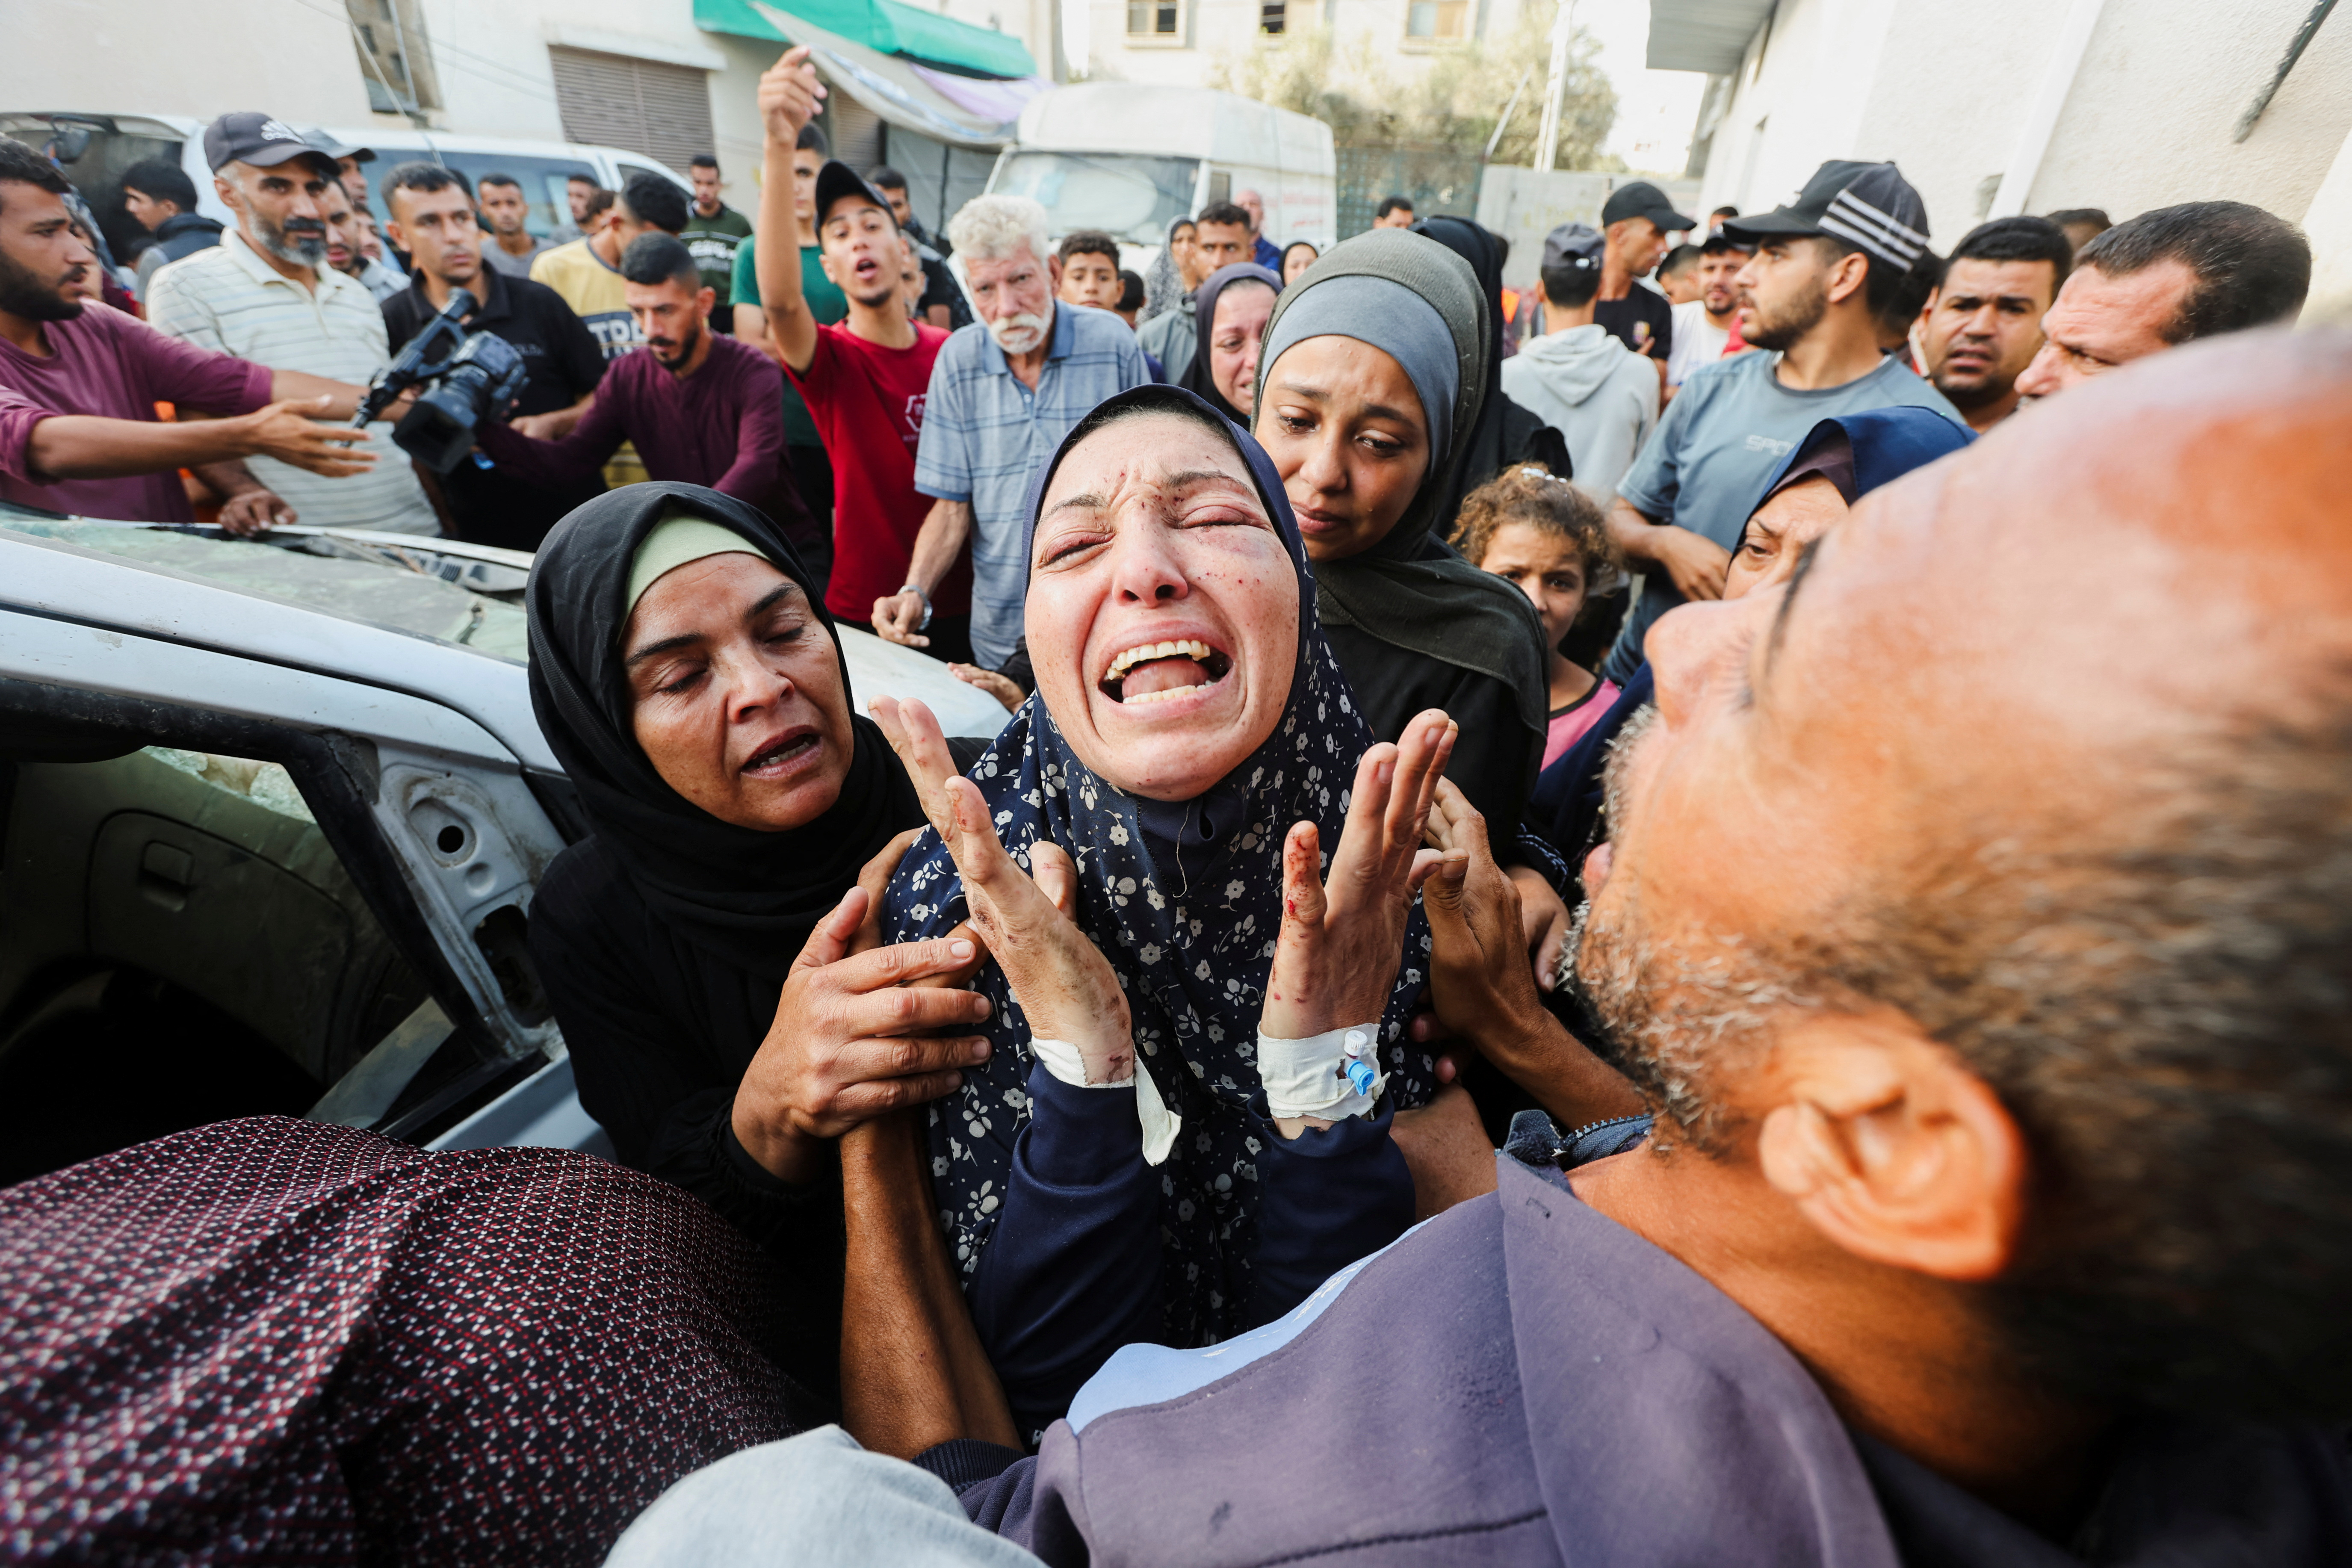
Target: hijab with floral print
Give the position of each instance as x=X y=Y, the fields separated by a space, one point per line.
x=1192 y=944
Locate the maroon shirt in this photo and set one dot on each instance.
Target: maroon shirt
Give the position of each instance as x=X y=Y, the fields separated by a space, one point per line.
x=722 y=426
x=112 y=366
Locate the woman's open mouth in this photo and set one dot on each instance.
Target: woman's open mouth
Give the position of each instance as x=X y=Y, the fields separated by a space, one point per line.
x=783 y=755
x=1156 y=671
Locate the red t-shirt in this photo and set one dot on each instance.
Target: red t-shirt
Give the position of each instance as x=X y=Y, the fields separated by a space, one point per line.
x=867 y=402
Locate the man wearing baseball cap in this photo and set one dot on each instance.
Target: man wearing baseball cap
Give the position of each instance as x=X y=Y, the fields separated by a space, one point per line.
x=1598 y=393
x=1637 y=219
x=865 y=378
x=266 y=294
x=1824 y=269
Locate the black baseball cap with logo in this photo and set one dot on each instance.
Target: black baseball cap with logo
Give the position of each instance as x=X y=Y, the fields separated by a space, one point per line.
x=836 y=180
x=1573 y=246
x=1642 y=199
x=1868 y=204
x=263 y=141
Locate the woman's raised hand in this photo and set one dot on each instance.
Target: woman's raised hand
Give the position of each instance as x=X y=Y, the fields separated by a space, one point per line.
x=1064 y=985
x=1336 y=955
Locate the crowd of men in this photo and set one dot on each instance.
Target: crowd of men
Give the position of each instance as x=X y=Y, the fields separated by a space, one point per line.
x=822 y=360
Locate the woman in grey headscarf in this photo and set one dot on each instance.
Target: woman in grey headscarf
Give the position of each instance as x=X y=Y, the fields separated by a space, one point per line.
x=1372 y=377
x=1164 y=286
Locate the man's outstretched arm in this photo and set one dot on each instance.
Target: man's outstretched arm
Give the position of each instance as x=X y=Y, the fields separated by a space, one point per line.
x=912 y=1372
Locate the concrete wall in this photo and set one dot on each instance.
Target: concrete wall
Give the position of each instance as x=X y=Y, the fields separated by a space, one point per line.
x=1943 y=87
x=2328 y=222
x=157 y=56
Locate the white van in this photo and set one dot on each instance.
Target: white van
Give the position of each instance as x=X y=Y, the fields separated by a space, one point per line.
x=1131 y=158
x=105 y=145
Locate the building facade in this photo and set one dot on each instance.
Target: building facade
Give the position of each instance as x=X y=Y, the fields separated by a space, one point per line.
x=2000 y=106
x=933 y=89
x=1181 y=43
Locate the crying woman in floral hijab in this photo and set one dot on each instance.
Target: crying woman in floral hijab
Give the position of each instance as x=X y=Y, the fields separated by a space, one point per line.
x=1183 y=1126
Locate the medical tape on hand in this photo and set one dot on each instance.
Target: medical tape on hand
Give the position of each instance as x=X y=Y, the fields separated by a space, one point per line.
x=1159 y=1124
x=1334 y=1074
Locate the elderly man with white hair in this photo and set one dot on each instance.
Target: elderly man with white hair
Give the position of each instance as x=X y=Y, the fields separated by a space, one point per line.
x=1003 y=392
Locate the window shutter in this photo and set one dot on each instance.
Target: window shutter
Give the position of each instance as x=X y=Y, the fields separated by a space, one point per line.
x=645 y=106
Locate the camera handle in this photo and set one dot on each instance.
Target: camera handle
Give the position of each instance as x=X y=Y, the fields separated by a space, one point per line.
x=416 y=361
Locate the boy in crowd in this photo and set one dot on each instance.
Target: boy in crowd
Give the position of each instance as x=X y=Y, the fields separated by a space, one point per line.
x=864 y=380
x=509 y=246
x=1091 y=271
x=942 y=303
x=1678 y=275
x=812 y=467
x=713 y=232
x=1704 y=323
x=162 y=199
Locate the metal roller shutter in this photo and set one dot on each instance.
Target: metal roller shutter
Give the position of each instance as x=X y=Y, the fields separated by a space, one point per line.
x=856 y=131
x=646 y=106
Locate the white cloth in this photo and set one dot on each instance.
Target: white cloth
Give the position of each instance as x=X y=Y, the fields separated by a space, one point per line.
x=228 y=299
x=1601 y=396
x=1332 y=1075
x=1697 y=342
x=1160 y=1125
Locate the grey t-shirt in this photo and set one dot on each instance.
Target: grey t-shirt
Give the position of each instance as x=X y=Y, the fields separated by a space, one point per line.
x=1726 y=431
x=496 y=254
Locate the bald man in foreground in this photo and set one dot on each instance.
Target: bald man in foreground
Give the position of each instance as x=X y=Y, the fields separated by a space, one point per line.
x=1984 y=966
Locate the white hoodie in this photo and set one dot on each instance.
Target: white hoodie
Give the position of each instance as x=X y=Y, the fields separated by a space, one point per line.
x=1600 y=395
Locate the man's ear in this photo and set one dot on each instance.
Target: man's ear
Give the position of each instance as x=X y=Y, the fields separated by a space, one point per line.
x=1053 y=270
x=231 y=197
x=705 y=299
x=1849 y=275
x=1890 y=1147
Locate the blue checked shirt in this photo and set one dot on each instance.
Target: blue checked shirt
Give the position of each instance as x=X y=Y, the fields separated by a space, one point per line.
x=984 y=434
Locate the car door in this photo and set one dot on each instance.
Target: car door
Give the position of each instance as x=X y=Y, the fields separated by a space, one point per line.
x=298 y=868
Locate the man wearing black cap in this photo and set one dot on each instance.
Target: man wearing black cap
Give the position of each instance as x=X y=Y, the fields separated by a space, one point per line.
x=865 y=378
x=266 y=294
x=1637 y=219
x=1598 y=393
x=1824 y=268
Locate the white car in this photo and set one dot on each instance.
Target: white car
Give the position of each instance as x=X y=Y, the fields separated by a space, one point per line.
x=271 y=816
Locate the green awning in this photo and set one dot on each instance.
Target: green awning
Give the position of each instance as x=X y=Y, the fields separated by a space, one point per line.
x=943 y=40
x=885 y=26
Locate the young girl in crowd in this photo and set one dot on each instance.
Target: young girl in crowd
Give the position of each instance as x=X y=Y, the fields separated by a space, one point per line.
x=1549 y=538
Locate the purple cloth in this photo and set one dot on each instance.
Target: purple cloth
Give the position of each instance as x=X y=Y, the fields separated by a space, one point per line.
x=722 y=426
x=112 y=366
x=1519 y=1381
x=267 y=1342
x=1524 y=1381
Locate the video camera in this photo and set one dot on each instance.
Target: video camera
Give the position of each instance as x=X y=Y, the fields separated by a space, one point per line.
x=479 y=379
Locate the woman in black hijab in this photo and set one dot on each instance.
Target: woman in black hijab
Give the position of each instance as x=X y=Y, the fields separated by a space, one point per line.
x=1506 y=433
x=1372 y=379
x=685 y=672
x=1224 y=372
